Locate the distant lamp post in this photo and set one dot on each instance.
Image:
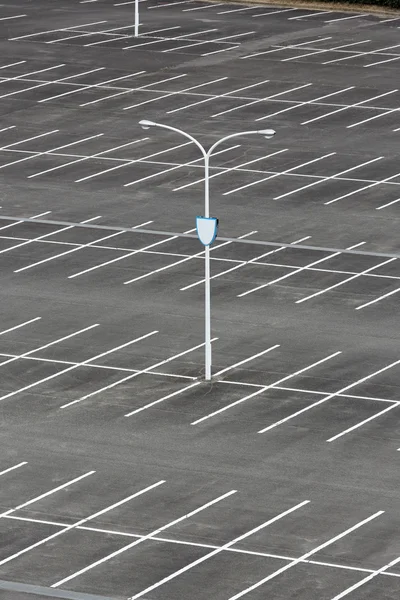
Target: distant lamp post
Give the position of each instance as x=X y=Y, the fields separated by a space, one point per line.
x=206 y=226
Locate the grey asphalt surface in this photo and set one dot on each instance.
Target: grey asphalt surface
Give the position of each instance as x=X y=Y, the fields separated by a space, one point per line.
x=122 y=473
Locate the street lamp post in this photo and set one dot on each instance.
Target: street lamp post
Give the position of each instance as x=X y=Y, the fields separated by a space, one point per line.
x=136 y=18
x=267 y=133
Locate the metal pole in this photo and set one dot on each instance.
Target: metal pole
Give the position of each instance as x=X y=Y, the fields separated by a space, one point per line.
x=136 y=18
x=208 y=355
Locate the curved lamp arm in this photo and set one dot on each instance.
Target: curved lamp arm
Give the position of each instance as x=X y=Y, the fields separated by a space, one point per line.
x=147 y=124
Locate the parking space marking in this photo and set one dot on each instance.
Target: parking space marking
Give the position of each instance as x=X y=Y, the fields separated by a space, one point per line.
x=225 y=170
x=348 y=106
x=7 y=128
x=129 y=90
x=344 y=281
x=75 y=365
x=378 y=299
x=77 y=248
x=88 y=33
x=79 y=523
x=45 y=346
x=324 y=12
x=246 y=87
x=306 y=555
x=333 y=395
x=218 y=550
x=181 y=261
x=203 y=7
x=346 y=18
x=169 y=94
x=202 y=545
x=169 y=39
x=54 y=30
x=42 y=237
x=382 y=114
x=388 y=204
x=329 y=178
x=323 y=51
x=212 y=41
x=346 y=431
x=241 y=263
x=366 y=187
x=151 y=404
x=273 y=12
x=244 y=361
x=309 y=162
x=359 y=54
x=14 y=17
x=85 y=158
x=224 y=112
x=46 y=494
x=368 y=578
x=266 y=387
x=381 y=62
x=118 y=258
x=20 y=325
x=21 y=464
x=87 y=87
x=132 y=376
x=142 y=539
x=305 y=103
x=20 y=62
x=290 y=47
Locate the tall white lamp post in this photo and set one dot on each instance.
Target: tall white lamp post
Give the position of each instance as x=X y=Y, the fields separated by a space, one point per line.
x=267 y=133
x=136 y=18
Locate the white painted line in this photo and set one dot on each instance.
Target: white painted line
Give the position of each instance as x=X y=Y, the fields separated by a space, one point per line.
x=329 y=178
x=378 y=299
x=359 y=54
x=20 y=62
x=142 y=539
x=109 y=262
x=203 y=7
x=53 y=30
x=265 y=388
x=163 y=5
x=57 y=341
x=42 y=237
x=355 y=586
x=242 y=362
x=388 y=204
x=169 y=94
x=79 y=160
x=301 y=104
x=170 y=266
x=366 y=187
x=218 y=96
x=242 y=187
x=347 y=107
x=129 y=91
x=306 y=556
x=78 y=523
x=129 y=377
x=35 y=137
x=345 y=18
x=228 y=170
x=345 y=281
x=88 y=33
x=333 y=395
x=212 y=41
x=169 y=39
x=273 y=12
x=7 y=128
x=77 y=248
x=21 y=325
x=151 y=404
x=217 y=551
x=19 y=223
x=385 y=410
x=378 y=116
x=46 y=494
x=325 y=50
x=21 y=464
x=289 y=47
x=235 y=10
x=324 y=12
x=14 y=17
x=87 y=87
x=221 y=50
x=224 y=112
x=381 y=62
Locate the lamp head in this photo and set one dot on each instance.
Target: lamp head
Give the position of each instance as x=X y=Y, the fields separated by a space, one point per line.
x=267 y=133
x=145 y=124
